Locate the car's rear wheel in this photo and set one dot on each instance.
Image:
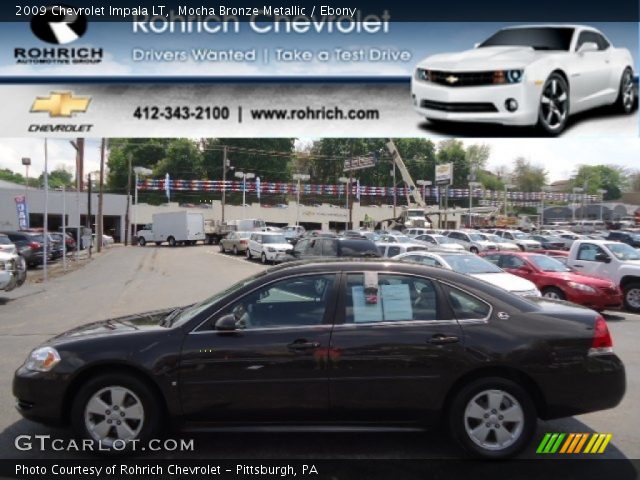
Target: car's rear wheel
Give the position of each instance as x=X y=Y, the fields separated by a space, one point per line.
x=235 y=250
x=248 y=254
x=553 y=111
x=172 y=241
x=112 y=410
x=553 y=293
x=263 y=258
x=632 y=297
x=492 y=417
x=222 y=249
x=474 y=250
x=626 y=95
x=142 y=242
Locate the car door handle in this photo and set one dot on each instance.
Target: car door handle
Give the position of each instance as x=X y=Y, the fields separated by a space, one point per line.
x=577 y=266
x=440 y=339
x=303 y=345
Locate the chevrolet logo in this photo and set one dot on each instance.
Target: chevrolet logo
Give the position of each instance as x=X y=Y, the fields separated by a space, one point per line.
x=60 y=104
x=452 y=79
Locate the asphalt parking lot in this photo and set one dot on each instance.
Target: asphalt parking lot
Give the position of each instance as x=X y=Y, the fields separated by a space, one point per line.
x=128 y=280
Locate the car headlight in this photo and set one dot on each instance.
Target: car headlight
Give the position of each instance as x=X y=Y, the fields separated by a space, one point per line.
x=423 y=74
x=582 y=287
x=507 y=76
x=42 y=359
x=271 y=249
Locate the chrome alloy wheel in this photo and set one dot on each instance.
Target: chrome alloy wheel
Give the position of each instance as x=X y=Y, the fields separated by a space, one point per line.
x=554 y=104
x=552 y=294
x=628 y=91
x=114 y=413
x=633 y=298
x=494 y=420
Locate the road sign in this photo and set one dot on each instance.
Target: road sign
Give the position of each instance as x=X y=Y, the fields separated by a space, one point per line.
x=444 y=173
x=359 y=163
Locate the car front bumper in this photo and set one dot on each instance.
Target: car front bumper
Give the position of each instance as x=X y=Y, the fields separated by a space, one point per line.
x=484 y=104
x=598 y=301
x=276 y=256
x=39 y=396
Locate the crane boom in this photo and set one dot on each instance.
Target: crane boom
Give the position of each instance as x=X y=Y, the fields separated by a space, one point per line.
x=406 y=177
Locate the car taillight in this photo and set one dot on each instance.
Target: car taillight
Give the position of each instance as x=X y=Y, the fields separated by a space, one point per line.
x=601 y=342
x=243 y=242
x=34 y=245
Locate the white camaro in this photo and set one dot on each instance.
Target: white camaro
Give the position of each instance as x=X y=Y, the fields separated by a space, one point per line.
x=526 y=75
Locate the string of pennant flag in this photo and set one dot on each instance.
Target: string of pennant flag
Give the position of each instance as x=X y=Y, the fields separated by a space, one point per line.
x=261 y=187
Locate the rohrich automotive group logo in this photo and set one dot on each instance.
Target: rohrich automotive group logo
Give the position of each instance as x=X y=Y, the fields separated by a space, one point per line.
x=58 y=29
x=58 y=25
x=574 y=443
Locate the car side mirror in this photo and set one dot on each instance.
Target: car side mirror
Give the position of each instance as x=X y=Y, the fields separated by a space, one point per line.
x=603 y=257
x=476 y=45
x=588 y=47
x=226 y=323
x=525 y=269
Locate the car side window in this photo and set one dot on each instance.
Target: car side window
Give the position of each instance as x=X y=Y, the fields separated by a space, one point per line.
x=315 y=247
x=292 y=302
x=594 y=37
x=301 y=246
x=588 y=252
x=374 y=298
x=495 y=259
x=330 y=248
x=466 y=306
x=511 y=261
x=393 y=251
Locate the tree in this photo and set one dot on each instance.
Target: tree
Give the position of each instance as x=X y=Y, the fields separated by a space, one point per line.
x=453 y=151
x=477 y=157
x=13 y=177
x=57 y=178
x=612 y=178
x=527 y=177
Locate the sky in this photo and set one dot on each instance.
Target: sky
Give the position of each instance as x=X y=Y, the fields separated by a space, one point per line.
x=559 y=157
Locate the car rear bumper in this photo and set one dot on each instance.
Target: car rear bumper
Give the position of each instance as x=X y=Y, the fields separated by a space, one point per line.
x=476 y=104
x=600 y=301
x=39 y=396
x=598 y=384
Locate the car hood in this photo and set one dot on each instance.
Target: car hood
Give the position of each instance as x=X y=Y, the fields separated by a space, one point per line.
x=487 y=58
x=507 y=281
x=129 y=324
x=279 y=246
x=451 y=246
x=528 y=242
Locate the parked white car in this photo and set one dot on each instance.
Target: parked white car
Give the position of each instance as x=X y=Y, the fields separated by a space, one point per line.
x=269 y=247
x=440 y=241
x=13 y=271
x=389 y=250
x=503 y=244
x=526 y=75
x=474 y=266
x=472 y=241
x=522 y=240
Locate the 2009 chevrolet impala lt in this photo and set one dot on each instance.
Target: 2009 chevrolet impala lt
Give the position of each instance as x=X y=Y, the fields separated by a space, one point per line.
x=526 y=75
x=332 y=344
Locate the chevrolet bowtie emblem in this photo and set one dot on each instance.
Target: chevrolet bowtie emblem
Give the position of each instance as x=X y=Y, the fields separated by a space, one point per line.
x=61 y=104
x=452 y=79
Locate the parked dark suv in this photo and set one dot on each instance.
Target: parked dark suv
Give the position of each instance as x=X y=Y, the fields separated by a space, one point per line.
x=630 y=238
x=323 y=247
x=30 y=245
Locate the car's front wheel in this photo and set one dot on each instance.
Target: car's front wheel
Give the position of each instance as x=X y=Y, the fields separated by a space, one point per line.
x=112 y=410
x=492 y=417
x=553 y=111
x=632 y=297
x=626 y=95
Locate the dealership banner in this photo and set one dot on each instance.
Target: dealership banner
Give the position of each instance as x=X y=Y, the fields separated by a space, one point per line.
x=22 y=211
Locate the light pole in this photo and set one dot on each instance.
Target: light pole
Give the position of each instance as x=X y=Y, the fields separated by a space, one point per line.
x=395 y=201
x=472 y=185
x=543 y=197
x=299 y=177
x=576 y=190
x=26 y=161
x=602 y=193
x=244 y=176
x=347 y=181
x=507 y=187
x=139 y=172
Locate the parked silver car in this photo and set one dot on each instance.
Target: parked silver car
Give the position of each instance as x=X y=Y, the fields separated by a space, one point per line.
x=472 y=241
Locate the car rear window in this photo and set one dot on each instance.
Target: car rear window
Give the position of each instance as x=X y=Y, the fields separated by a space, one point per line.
x=4 y=240
x=358 y=248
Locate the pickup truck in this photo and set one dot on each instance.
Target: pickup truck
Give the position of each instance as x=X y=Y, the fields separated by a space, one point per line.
x=613 y=260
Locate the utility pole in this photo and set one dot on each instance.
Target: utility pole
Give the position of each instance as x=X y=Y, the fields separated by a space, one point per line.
x=224 y=179
x=100 y=226
x=88 y=222
x=45 y=236
x=126 y=216
x=79 y=146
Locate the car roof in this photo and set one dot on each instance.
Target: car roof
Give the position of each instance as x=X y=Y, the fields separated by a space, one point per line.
x=568 y=25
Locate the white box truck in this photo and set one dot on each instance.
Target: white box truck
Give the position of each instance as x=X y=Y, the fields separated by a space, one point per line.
x=174 y=228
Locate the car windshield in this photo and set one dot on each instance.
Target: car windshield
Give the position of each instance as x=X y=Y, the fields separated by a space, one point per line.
x=415 y=213
x=358 y=248
x=273 y=239
x=181 y=316
x=441 y=239
x=470 y=264
x=496 y=239
x=624 y=252
x=548 y=264
x=521 y=236
x=476 y=237
x=538 y=38
x=4 y=240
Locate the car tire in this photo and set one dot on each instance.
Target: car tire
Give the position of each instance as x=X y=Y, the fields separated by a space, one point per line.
x=632 y=297
x=554 y=107
x=249 y=254
x=235 y=250
x=626 y=100
x=263 y=258
x=474 y=250
x=142 y=242
x=521 y=248
x=553 y=293
x=143 y=415
x=222 y=249
x=480 y=403
x=22 y=271
x=172 y=242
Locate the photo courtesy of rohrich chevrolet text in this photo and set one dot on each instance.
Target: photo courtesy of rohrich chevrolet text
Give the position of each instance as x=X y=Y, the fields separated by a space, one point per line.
x=335 y=240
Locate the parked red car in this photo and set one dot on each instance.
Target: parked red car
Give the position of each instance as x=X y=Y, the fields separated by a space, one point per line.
x=557 y=281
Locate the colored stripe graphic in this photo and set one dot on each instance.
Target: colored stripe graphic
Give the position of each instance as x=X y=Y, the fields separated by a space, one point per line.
x=573 y=443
